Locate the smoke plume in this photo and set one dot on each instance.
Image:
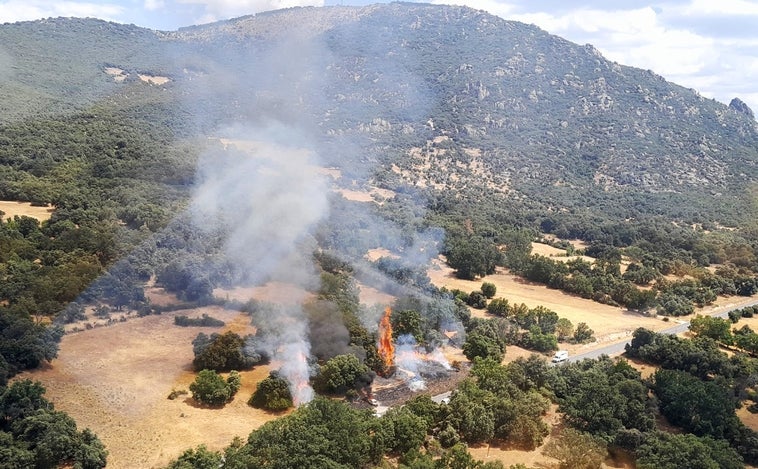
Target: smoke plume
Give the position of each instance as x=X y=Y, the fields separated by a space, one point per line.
x=265 y=197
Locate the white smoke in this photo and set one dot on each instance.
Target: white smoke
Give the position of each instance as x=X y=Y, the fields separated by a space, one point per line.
x=408 y=362
x=437 y=356
x=413 y=362
x=293 y=356
x=265 y=197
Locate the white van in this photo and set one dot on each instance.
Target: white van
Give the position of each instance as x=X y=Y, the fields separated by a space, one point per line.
x=560 y=356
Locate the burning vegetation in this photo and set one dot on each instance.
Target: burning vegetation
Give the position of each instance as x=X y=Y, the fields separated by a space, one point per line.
x=386 y=346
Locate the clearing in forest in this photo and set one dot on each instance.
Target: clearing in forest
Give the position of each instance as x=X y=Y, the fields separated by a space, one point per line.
x=12 y=208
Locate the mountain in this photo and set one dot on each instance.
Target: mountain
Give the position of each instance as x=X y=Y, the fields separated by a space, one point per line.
x=413 y=97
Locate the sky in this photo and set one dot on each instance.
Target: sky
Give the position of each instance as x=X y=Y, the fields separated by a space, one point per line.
x=708 y=45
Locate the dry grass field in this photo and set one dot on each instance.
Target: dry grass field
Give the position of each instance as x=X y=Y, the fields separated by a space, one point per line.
x=12 y=208
x=556 y=253
x=611 y=324
x=116 y=379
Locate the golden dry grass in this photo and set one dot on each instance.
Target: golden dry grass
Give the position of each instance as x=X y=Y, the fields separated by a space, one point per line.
x=372 y=194
x=12 y=208
x=371 y=296
x=376 y=254
x=556 y=253
x=115 y=380
x=611 y=324
x=273 y=292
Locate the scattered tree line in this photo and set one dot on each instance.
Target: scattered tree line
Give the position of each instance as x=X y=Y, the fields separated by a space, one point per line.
x=202 y=321
x=538 y=329
x=498 y=404
x=602 y=280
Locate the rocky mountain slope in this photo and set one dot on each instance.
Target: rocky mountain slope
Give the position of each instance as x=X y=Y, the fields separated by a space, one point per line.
x=413 y=97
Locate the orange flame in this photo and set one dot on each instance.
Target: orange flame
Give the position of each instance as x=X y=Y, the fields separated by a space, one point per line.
x=385 y=346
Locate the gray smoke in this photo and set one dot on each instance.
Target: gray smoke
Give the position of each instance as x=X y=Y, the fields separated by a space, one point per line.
x=266 y=196
x=413 y=362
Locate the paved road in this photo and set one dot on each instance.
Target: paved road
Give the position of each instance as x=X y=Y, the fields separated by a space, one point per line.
x=681 y=326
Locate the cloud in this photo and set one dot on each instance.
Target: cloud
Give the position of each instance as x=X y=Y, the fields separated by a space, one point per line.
x=213 y=10
x=709 y=8
x=152 y=5
x=26 y=10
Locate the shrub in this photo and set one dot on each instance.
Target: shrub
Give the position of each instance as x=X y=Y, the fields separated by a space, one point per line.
x=211 y=389
x=476 y=299
x=176 y=393
x=203 y=321
x=489 y=289
x=499 y=307
x=340 y=373
x=583 y=333
x=224 y=352
x=272 y=393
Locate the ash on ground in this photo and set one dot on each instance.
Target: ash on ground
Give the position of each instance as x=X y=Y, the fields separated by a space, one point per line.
x=398 y=388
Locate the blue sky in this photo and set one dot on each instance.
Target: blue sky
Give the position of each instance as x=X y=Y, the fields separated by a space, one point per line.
x=708 y=45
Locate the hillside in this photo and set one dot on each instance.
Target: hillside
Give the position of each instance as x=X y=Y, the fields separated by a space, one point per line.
x=456 y=99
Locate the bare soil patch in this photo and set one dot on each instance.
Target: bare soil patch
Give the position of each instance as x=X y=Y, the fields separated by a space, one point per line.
x=748 y=418
x=13 y=208
x=118 y=74
x=153 y=79
x=646 y=369
x=372 y=296
x=375 y=254
x=372 y=194
x=334 y=173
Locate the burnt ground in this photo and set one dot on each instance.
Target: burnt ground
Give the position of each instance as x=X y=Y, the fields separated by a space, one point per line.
x=394 y=391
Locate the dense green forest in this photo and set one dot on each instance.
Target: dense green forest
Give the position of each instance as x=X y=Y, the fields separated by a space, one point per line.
x=35 y=435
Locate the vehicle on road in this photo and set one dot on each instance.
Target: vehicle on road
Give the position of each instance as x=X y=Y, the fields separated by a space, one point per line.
x=560 y=356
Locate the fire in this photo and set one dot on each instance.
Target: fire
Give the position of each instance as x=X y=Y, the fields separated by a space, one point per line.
x=385 y=346
x=294 y=369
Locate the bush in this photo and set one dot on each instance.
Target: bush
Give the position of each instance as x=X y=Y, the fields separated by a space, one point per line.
x=499 y=307
x=340 y=373
x=234 y=381
x=211 y=389
x=176 y=393
x=489 y=289
x=476 y=299
x=480 y=345
x=224 y=352
x=583 y=333
x=203 y=321
x=272 y=393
